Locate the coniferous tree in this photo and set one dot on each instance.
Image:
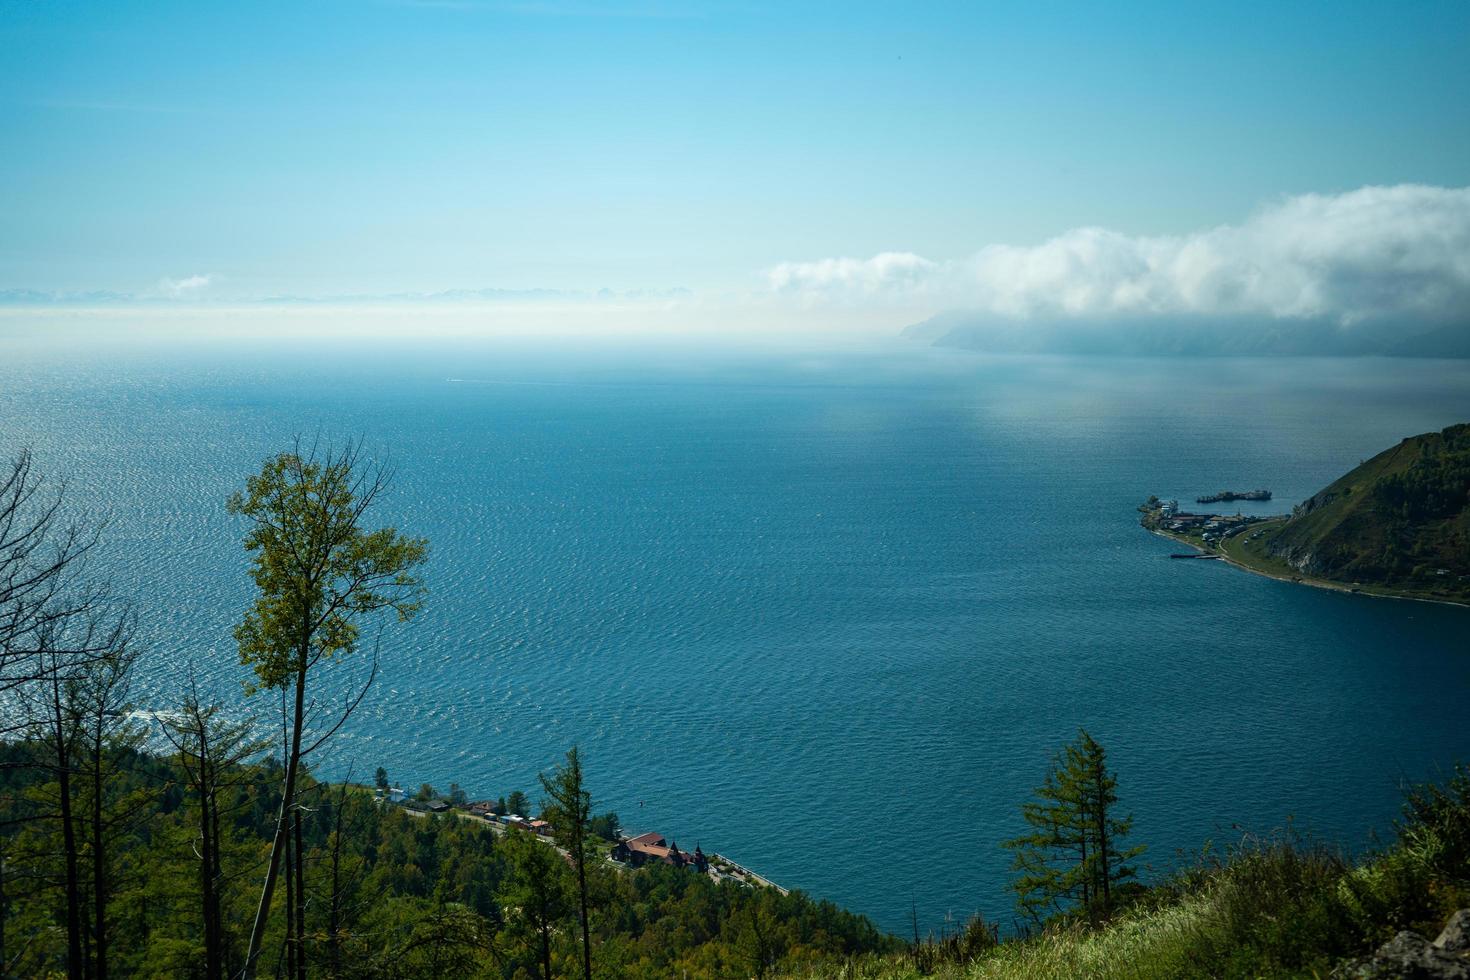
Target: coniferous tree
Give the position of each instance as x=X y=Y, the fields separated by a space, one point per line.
x=758 y=935
x=517 y=803
x=569 y=810
x=1047 y=857
x=1071 y=856
x=536 y=895
x=1097 y=788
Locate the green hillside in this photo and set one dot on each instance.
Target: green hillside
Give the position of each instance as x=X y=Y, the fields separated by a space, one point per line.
x=1268 y=907
x=1401 y=519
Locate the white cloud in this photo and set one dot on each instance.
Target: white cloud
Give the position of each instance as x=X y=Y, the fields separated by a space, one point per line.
x=181 y=288
x=885 y=273
x=1372 y=252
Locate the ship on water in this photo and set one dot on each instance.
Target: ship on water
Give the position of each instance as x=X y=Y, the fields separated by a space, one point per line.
x=1225 y=496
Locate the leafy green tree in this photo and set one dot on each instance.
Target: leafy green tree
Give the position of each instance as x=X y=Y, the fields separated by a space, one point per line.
x=380 y=779
x=317 y=572
x=1071 y=855
x=569 y=811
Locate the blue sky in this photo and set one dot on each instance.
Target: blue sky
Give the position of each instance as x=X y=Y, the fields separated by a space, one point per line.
x=336 y=148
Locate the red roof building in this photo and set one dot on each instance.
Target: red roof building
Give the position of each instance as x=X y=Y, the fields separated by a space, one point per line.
x=639 y=850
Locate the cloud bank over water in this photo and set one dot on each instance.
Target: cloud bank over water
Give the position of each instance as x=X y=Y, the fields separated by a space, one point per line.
x=1376 y=252
x=1302 y=272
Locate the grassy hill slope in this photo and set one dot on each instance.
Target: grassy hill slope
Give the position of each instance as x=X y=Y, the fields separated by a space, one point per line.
x=1272 y=908
x=1400 y=519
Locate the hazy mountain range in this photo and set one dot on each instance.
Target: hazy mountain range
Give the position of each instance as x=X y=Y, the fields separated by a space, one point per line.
x=1193 y=336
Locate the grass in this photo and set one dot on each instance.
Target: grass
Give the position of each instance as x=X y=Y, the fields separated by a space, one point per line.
x=1254 y=553
x=1254 y=556
x=1269 y=908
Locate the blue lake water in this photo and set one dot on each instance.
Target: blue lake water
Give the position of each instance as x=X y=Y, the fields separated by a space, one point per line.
x=828 y=613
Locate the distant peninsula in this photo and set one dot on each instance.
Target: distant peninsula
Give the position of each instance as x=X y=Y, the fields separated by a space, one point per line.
x=1192 y=337
x=1397 y=525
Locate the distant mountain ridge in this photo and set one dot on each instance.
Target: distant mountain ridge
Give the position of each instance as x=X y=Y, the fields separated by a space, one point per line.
x=1400 y=519
x=1195 y=336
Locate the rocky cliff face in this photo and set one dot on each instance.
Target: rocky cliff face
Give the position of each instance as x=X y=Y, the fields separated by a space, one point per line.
x=1305 y=555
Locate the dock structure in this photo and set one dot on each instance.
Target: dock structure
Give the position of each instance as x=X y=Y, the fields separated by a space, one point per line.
x=746 y=874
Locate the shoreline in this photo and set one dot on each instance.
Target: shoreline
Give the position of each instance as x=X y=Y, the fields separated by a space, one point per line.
x=721 y=866
x=1315 y=583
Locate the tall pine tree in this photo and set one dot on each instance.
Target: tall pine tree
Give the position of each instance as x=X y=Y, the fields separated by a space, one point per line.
x=1071 y=857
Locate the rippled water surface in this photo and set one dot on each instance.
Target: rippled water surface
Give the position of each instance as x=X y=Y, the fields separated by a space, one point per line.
x=828 y=614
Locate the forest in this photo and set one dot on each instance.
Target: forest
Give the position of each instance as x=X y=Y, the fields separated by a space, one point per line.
x=386 y=892
x=193 y=839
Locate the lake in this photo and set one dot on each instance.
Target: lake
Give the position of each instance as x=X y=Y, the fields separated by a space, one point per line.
x=828 y=613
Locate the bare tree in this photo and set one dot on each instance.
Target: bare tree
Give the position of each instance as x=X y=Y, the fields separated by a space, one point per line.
x=344 y=878
x=64 y=661
x=100 y=700
x=211 y=750
x=42 y=554
x=78 y=658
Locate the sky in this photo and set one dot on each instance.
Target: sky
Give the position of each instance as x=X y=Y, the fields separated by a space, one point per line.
x=872 y=162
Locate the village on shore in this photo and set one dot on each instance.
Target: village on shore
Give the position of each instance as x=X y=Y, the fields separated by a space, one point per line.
x=623 y=851
x=1201 y=530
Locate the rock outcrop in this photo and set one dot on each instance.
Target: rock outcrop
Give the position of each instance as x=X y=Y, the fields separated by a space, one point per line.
x=1409 y=956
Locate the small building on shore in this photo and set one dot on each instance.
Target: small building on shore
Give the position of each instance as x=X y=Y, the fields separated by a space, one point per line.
x=638 y=851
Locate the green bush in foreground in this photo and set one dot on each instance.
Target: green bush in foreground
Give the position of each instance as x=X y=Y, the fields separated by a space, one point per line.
x=1269 y=908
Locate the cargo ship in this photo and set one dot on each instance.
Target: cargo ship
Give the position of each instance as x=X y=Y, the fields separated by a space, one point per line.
x=1225 y=496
